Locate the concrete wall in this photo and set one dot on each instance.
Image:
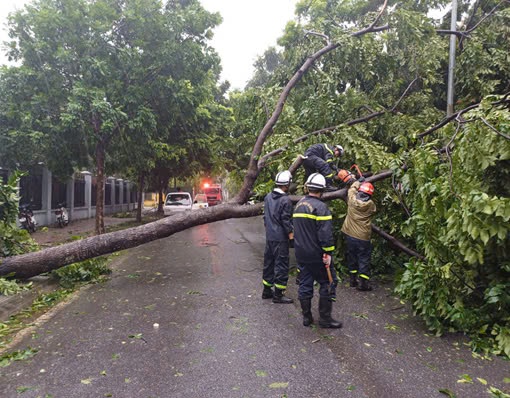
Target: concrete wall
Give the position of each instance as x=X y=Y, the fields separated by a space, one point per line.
x=46 y=215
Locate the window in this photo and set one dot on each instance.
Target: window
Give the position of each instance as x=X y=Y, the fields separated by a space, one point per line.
x=108 y=192
x=117 y=192
x=58 y=192
x=125 y=191
x=93 y=191
x=31 y=189
x=79 y=190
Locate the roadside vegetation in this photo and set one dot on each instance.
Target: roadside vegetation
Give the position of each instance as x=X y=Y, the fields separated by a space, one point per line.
x=358 y=73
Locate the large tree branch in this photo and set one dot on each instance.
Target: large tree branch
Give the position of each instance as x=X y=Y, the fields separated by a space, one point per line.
x=253 y=169
x=31 y=264
x=458 y=114
x=465 y=33
x=366 y=118
x=342 y=194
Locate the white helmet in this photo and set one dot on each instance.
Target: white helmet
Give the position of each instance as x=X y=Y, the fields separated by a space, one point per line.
x=283 y=178
x=316 y=181
x=340 y=149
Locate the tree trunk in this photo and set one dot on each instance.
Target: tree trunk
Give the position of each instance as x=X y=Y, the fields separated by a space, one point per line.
x=31 y=264
x=160 y=198
x=100 y=162
x=141 y=183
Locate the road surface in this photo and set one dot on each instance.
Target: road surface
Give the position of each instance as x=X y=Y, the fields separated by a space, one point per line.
x=183 y=317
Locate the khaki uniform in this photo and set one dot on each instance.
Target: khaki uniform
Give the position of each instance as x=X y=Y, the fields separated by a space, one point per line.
x=359 y=214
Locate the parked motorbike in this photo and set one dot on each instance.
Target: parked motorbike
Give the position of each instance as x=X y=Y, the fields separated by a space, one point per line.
x=26 y=218
x=62 y=215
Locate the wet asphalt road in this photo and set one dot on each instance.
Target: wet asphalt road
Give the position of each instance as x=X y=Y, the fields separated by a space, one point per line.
x=218 y=338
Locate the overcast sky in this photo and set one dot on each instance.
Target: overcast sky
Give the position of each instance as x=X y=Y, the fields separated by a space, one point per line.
x=249 y=27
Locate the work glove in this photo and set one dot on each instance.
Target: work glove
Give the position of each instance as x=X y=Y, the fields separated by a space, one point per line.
x=326 y=259
x=361 y=179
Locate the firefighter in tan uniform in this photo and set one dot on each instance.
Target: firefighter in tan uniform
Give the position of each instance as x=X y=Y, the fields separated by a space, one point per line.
x=357 y=230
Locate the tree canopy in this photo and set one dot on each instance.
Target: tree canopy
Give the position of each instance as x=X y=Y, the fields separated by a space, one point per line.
x=368 y=76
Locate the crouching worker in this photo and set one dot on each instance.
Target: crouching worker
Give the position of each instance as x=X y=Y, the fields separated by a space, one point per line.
x=278 y=223
x=357 y=230
x=314 y=245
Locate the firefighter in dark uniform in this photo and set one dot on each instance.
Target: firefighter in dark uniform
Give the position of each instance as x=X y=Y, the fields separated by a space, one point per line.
x=278 y=223
x=321 y=158
x=314 y=246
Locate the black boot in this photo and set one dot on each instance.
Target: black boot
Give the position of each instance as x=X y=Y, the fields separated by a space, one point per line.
x=364 y=286
x=279 y=298
x=353 y=280
x=267 y=293
x=306 y=309
x=326 y=321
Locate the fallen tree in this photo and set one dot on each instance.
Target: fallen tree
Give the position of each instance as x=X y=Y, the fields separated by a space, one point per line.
x=31 y=264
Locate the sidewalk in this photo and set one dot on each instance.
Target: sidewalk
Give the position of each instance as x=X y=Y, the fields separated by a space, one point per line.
x=50 y=236
x=46 y=237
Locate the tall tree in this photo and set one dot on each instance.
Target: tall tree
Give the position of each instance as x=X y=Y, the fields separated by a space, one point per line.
x=93 y=62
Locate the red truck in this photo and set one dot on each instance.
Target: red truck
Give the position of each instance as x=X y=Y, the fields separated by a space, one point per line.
x=214 y=193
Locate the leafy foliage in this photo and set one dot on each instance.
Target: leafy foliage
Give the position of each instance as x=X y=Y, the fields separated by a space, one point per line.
x=449 y=198
x=86 y=271
x=13 y=240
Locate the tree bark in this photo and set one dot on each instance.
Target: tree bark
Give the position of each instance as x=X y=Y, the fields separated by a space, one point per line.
x=32 y=264
x=100 y=163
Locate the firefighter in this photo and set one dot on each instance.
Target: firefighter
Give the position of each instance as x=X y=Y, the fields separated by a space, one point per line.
x=357 y=231
x=278 y=223
x=314 y=246
x=321 y=158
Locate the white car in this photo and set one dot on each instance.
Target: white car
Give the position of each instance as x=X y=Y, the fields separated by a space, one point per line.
x=200 y=201
x=177 y=202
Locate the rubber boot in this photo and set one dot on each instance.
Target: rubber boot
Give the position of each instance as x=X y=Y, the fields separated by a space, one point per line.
x=364 y=286
x=353 y=282
x=326 y=321
x=279 y=298
x=267 y=293
x=306 y=309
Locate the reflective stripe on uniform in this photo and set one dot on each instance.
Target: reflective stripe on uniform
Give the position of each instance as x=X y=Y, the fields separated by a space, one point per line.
x=364 y=276
x=329 y=150
x=328 y=249
x=281 y=287
x=312 y=216
x=266 y=283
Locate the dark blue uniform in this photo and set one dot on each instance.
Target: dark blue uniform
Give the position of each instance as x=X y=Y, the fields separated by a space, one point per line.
x=313 y=236
x=320 y=158
x=278 y=223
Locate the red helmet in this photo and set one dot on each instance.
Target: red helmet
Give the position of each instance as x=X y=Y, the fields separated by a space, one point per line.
x=367 y=188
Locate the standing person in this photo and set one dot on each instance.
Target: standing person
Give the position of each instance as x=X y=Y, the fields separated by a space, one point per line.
x=314 y=245
x=357 y=230
x=321 y=158
x=278 y=223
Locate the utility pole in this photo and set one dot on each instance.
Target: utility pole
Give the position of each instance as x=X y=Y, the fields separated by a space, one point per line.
x=451 y=64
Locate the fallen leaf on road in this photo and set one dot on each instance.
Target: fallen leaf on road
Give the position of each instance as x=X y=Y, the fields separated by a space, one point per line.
x=279 y=385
